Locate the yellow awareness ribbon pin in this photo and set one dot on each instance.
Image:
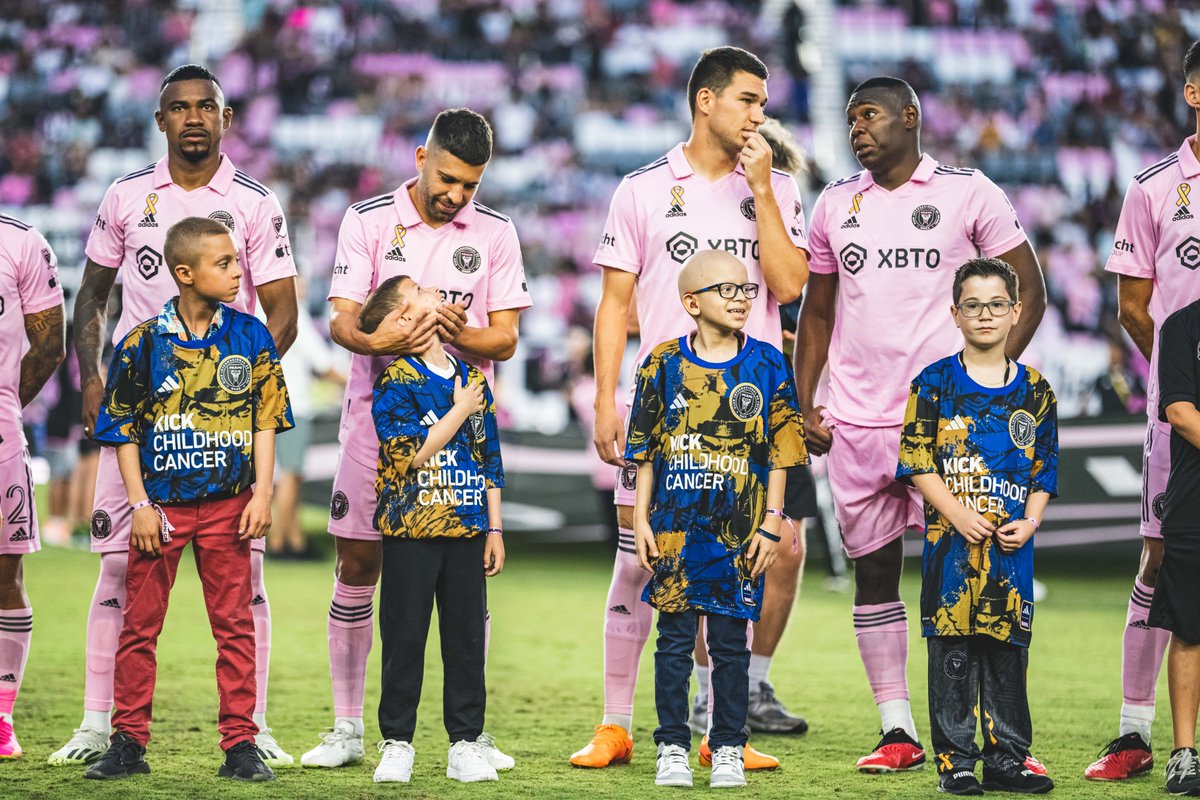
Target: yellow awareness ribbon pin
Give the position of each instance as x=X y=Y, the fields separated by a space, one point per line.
x=677 y=194
x=856 y=203
x=1184 y=190
x=399 y=240
x=151 y=199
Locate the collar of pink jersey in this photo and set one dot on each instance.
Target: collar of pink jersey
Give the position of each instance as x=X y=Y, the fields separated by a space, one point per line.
x=681 y=168
x=1188 y=164
x=921 y=174
x=410 y=217
x=220 y=182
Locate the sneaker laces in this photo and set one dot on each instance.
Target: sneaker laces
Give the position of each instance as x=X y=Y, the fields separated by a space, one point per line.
x=1010 y=763
x=244 y=754
x=1120 y=744
x=726 y=756
x=393 y=747
x=1186 y=763
x=336 y=735
x=487 y=741
x=674 y=756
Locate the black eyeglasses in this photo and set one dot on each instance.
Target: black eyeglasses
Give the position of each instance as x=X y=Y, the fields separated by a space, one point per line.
x=728 y=291
x=998 y=308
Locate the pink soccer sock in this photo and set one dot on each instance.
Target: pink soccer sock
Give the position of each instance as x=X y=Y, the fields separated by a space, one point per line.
x=103 y=630
x=882 y=633
x=351 y=628
x=16 y=629
x=1142 y=649
x=260 y=609
x=627 y=622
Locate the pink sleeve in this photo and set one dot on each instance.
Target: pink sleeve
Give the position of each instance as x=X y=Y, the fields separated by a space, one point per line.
x=1136 y=239
x=106 y=242
x=621 y=244
x=38 y=284
x=353 y=267
x=995 y=227
x=820 y=256
x=268 y=248
x=787 y=194
x=506 y=274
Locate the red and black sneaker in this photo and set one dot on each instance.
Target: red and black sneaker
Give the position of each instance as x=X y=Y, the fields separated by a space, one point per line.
x=896 y=752
x=1123 y=758
x=1033 y=765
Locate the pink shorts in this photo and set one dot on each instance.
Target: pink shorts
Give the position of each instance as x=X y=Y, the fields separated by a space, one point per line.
x=625 y=490
x=873 y=508
x=1156 y=466
x=111 y=517
x=18 y=514
x=352 y=508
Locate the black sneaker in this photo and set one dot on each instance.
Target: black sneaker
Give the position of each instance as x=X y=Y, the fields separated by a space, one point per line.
x=1183 y=773
x=1011 y=775
x=243 y=763
x=765 y=714
x=123 y=758
x=959 y=781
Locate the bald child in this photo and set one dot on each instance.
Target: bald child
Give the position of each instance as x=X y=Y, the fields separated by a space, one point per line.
x=714 y=425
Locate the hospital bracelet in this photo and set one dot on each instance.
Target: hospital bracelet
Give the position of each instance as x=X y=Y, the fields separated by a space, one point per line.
x=763 y=533
x=495 y=531
x=167 y=527
x=1032 y=520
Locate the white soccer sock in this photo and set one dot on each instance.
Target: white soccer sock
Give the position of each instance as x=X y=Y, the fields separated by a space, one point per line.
x=97 y=721
x=260 y=720
x=898 y=714
x=354 y=722
x=760 y=667
x=1136 y=719
x=624 y=720
x=700 y=673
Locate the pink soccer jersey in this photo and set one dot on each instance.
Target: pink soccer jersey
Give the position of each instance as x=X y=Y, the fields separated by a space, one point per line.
x=28 y=284
x=137 y=211
x=475 y=259
x=895 y=254
x=663 y=213
x=1158 y=237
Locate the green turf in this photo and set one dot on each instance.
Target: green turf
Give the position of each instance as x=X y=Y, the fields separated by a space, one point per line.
x=545 y=690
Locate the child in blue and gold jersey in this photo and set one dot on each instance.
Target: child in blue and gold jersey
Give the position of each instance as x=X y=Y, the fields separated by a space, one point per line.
x=438 y=485
x=980 y=443
x=713 y=428
x=192 y=403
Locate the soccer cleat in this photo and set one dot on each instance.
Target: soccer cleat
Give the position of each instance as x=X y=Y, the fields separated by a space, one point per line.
x=123 y=758
x=269 y=750
x=1123 y=758
x=672 y=768
x=698 y=721
x=727 y=768
x=896 y=752
x=396 y=763
x=243 y=763
x=468 y=762
x=960 y=782
x=1033 y=765
x=766 y=714
x=497 y=759
x=610 y=744
x=1011 y=775
x=85 y=746
x=751 y=758
x=339 y=746
x=9 y=746
x=1183 y=773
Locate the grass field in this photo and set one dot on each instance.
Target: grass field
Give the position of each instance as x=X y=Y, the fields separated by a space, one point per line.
x=545 y=688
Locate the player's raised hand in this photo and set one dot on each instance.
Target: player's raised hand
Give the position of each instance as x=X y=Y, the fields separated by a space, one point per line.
x=146 y=531
x=469 y=398
x=973 y=526
x=403 y=333
x=493 y=555
x=762 y=554
x=643 y=541
x=756 y=162
x=256 y=517
x=817 y=437
x=608 y=435
x=1014 y=534
x=452 y=318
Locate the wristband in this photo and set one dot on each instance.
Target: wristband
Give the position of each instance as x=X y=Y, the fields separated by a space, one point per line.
x=1033 y=521
x=495 y=531
x=167 y=527
x=763 y=533
x=777 y=512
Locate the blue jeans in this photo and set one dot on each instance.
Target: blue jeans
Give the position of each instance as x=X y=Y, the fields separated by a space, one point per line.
x=730 y=659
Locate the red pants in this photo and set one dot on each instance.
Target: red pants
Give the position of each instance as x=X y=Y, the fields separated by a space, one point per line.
x=223 y=564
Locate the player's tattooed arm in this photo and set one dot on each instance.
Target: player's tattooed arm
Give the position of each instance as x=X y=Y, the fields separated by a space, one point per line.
x=47 y=334
x=91 y=328
x=1133 y=311
x=1033 y=296
x=278 y=300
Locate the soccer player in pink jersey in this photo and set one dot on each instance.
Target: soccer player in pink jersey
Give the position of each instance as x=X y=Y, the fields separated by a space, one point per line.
x=431 y=230
x=716 y=191
x=884 y=245
x=32 y=345
x=1156 y=251
x=193 y=179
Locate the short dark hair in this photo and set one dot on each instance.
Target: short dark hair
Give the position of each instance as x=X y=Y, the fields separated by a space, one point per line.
x=380 y=303
x=464 y=134
x=898 y=91
x=717 y=66
x=189 y=72
x=1191 y=63
x=184 y=237
x=987 y=268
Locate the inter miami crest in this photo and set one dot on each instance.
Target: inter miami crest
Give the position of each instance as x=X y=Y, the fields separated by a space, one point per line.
x=467 y=260
x=101 y=525
x=746 y=401
x=339 y=505
x=748 y=208
x=955 y=665
x=233 y=374
x=1022 y=428
x=477 y=426
x=926 y=218
x=1159 y=505
x=629 y=476
x=223 y=217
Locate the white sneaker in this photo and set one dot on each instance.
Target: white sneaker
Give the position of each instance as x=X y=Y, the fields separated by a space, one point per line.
x=673 y=767
x=269 y=750
x=468 y=762
x=339 y=746
x=86 y=745
x=498 y=760
x=727 y=768
x=395 y=766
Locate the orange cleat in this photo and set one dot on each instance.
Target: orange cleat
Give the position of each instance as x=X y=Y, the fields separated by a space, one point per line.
x=610 y=744
x=751 y=758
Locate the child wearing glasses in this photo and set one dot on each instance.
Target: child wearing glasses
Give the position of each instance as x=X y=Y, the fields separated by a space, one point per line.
x=714 y=425
x=980 y=443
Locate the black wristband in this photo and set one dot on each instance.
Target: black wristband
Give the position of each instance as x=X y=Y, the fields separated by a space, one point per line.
x=763 y=533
